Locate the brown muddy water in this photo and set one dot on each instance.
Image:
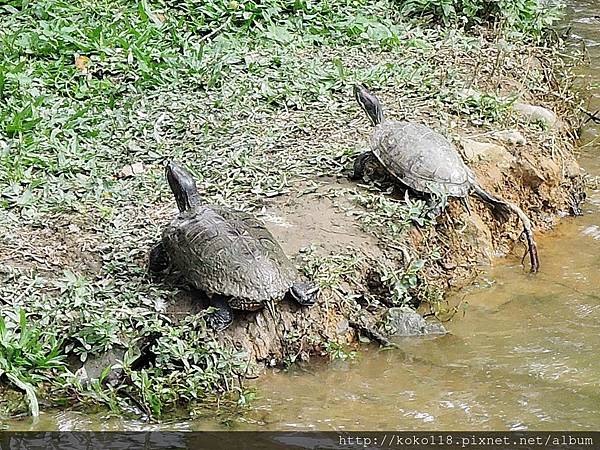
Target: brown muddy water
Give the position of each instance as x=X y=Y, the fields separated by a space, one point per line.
x=524 y=356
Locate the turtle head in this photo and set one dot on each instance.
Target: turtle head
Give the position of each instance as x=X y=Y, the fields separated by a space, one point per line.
x=369 y=102
x=304 y=293
x=182 y=185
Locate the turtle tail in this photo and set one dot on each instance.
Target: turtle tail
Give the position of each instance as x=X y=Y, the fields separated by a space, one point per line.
x=501 y=209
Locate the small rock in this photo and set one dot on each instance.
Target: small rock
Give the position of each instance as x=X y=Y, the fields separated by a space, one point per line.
x=572 y=169
x=537 y=113
x=593 y=231
x=484 y=151
x=131 y=170
x=82 y=376
x=342 y=327
x=404 y=321
x=512 y=137
x=74 y=228
x=545 y=170
x=551 y=171
x=530 y=174
x=95 y=365
x=476 y=235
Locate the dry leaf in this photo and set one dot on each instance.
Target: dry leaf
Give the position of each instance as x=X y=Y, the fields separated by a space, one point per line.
x=82 y=63
x=131 y=170
x=74 y=228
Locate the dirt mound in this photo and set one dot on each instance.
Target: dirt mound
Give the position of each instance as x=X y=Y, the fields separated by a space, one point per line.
x=321 y=223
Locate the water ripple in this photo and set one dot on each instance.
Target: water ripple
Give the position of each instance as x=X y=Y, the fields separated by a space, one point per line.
x=593 y=231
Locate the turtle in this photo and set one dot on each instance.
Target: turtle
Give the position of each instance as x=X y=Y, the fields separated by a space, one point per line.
x=428 y=163
x=227 y=254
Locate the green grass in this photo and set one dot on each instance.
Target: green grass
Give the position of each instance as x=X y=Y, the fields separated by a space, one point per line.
x=254 y=97
x=27 y=356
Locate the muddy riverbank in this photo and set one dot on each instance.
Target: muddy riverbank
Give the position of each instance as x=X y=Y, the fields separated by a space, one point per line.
x=369 y=252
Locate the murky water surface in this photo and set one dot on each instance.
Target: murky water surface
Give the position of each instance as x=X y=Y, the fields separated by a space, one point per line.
x=525 y=356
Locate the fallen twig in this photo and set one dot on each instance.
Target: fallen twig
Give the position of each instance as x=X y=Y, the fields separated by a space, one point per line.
x=215 y=31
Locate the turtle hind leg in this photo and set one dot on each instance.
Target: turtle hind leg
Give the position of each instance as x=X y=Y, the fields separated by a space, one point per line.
x=360 y=164
x=371 y=332
x=222 y=317
x=305 y=294
x=158 y=260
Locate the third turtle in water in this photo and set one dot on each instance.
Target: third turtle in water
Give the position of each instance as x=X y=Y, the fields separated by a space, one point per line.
x=427 y=162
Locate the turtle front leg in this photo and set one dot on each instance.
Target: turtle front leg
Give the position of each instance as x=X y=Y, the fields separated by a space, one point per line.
x=434 y=207
x=360 y=163
x=222 y=317
x=158 y=260
x=305 y=294
x=436 y=202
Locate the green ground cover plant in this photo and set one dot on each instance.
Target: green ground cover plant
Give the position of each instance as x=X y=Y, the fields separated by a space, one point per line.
x=530 y=17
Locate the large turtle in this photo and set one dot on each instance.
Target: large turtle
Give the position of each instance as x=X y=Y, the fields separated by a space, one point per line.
x=227 y=254
x=427 y=162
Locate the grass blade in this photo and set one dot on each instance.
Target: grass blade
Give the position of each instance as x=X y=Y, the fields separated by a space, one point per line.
x=29 y=390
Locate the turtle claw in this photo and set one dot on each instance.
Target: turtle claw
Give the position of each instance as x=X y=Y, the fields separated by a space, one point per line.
x=434 y=208
x=222 y=317
x=305 y=294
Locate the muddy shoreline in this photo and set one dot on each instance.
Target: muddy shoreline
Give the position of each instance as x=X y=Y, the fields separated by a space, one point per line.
x=547 y=187
x=532 y=165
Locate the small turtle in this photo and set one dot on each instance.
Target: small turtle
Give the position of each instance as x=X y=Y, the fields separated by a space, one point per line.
x=427 y=162
x=227 y=254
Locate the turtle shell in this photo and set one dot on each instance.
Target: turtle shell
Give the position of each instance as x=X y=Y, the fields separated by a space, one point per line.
x=230 y=253
x=421 y=158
